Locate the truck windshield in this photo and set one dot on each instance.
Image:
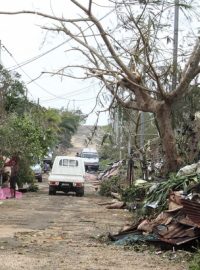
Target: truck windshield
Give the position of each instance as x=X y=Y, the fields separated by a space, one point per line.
x=68 y=162
x=89 y=155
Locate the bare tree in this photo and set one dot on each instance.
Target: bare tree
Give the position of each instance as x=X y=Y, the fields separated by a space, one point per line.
x=136 y=70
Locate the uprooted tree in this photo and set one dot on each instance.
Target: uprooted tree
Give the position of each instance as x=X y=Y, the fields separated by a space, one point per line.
x=132 y=57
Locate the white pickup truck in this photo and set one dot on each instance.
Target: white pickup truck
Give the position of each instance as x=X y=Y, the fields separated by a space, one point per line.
x=91 y=158
x=68 y=174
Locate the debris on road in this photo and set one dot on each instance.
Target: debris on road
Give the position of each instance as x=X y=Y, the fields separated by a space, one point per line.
x=111 y=171
x=116 y=205
x=189 y=169
x=176 y=226
x=173 y=205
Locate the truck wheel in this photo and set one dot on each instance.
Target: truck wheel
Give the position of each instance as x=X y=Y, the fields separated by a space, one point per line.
x=52 y=192
x=40 y=179
x=80 y=193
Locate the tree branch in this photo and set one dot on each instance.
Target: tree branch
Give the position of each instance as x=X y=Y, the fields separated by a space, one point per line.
x=197 y=71
x=90 y=6
x=145 y=43
x=190 y=72
x=106 y=41
x=66 y=75
x=61 y=19
x=91 y=49
x=83 y=52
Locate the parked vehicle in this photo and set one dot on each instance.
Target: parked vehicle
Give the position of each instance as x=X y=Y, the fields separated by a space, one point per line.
x=67 y=174
x=37 y=170
x=48 y=161
x=91 y=158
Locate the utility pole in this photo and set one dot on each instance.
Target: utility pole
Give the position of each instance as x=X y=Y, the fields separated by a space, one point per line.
x=116 y=126
x=142 y=130
x=142 y=114
x=0 y=53
x=175 y=44
x=121 y=135
x=1 y=91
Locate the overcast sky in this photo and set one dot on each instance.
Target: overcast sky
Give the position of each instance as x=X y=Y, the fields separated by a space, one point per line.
x=23 y=39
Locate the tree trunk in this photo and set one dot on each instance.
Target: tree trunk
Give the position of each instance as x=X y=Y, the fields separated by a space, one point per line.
x=163 y=117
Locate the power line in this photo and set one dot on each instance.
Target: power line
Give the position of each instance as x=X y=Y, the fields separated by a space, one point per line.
x=26 y=73
x=18 y=65
x=28 y=61
x=73 y=93
x=79 y=100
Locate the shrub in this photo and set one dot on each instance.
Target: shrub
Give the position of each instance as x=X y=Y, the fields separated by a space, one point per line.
x=134 y=193
x=110 y=185
x=25 y=174
x=33 y=188
x=104 y=164
x=161 y=190
x=195 y=262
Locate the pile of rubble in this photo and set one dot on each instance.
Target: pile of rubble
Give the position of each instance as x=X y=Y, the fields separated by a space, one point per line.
x=177 y=225
x=111 y=171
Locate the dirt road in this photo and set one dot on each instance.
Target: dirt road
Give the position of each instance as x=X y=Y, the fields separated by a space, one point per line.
x=61 y=232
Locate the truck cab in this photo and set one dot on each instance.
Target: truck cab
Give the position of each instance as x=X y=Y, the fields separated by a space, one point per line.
x=67 y=175
x=90 y=158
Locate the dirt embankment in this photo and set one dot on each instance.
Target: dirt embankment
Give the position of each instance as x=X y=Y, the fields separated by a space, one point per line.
x=85 y=138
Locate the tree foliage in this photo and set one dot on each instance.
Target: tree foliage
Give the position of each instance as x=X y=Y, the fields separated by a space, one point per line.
x=12 y=93
x=70 y=120
x=22 y=136
x=27 y=129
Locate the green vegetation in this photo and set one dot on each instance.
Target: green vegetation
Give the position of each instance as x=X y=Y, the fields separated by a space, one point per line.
x=195 y=261
x=29 y=130
x=110 y=185
x=25 y=174
x=134 y=193
x=108 y=149
x=160 y=191
x=33 y=188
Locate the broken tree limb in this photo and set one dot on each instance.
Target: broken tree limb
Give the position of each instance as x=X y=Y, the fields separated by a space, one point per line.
x=116 y=196
x=117 y=205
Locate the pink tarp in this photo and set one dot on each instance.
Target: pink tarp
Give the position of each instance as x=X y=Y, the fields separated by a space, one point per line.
x=6 y=193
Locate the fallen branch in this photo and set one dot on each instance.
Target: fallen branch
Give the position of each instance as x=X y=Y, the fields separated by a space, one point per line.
x=116 y=196
x=117 y=205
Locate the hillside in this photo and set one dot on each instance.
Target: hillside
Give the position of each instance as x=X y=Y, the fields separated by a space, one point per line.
x=82 y=139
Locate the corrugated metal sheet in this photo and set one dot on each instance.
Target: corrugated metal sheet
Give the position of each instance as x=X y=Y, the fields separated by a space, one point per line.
x=192 y=210
x=174 y=227
x=178 y=241
x=177 y=230
x=185 y=221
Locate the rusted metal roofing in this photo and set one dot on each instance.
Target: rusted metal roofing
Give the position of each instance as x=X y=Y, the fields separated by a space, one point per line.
x=175 y=227
x=171 y=231
x=192 y=210
x=178 y=241
x=186 y=221
x=177 y=230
